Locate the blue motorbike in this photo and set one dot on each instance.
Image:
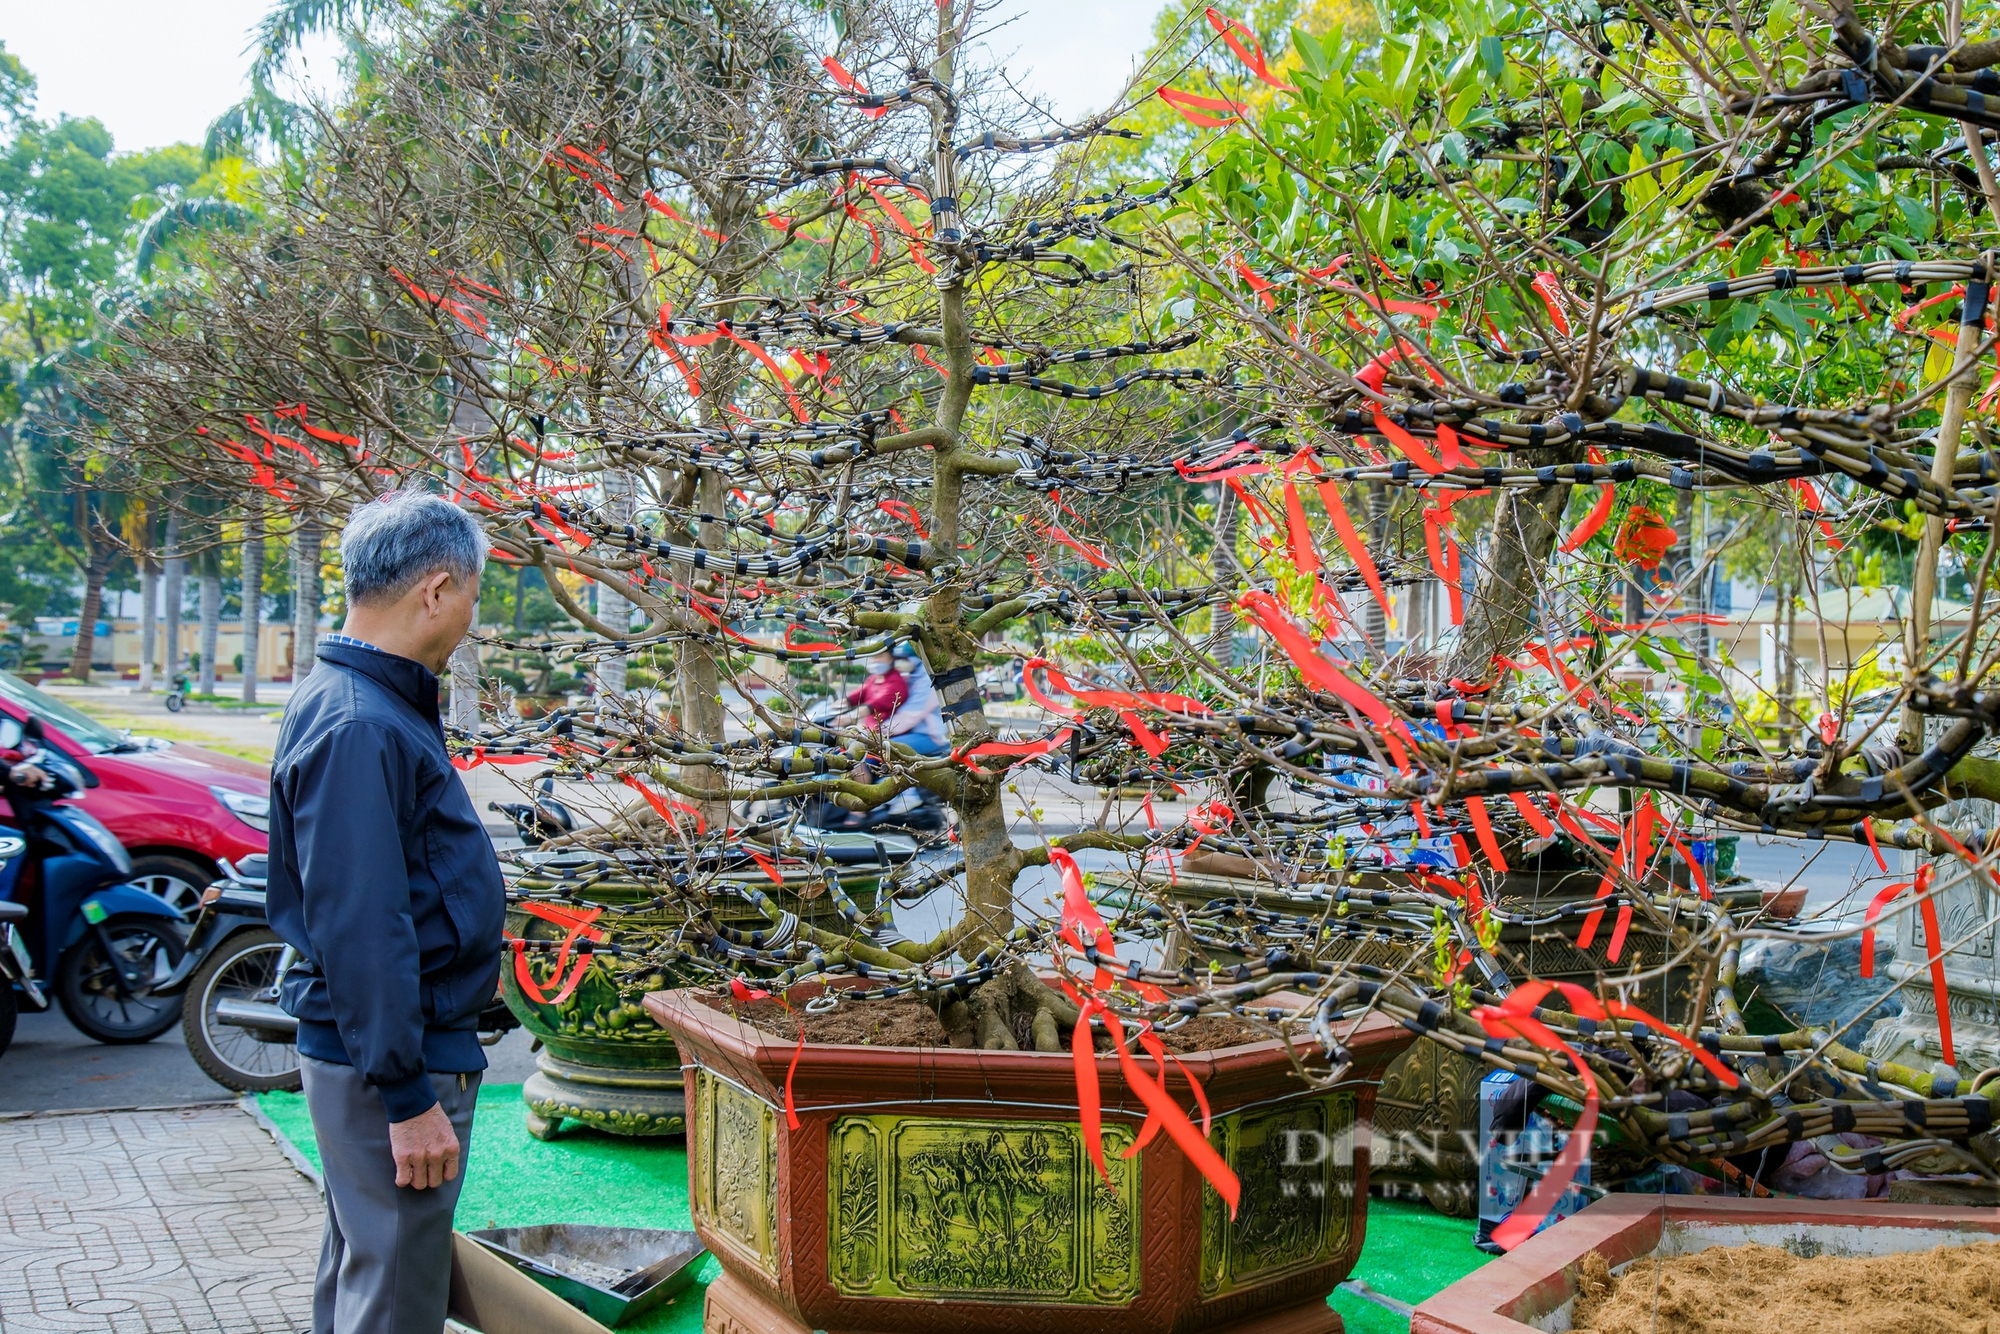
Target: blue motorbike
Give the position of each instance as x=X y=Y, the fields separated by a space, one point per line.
x=104 y=946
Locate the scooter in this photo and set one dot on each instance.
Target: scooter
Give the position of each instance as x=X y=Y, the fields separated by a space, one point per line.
x=545 y=819
x=16 y=970
x=177 y=697
x=235 y=1029
x=914 y=811
x=105 y=945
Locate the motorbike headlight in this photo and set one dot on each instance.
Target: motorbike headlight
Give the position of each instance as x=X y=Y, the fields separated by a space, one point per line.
x=252 y=808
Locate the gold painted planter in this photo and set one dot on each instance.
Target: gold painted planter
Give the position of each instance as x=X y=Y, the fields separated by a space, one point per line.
x=933 y=1189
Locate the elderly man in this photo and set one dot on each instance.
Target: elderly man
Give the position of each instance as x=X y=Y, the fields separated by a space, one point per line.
x=385 y=882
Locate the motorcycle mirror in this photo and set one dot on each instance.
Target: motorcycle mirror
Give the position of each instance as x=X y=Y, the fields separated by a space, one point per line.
x=11 y=734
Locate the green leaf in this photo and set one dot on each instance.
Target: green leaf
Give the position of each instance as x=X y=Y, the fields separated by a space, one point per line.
x=1492 y=57
x=1922 y=221
x=1572 y=103
x=1467 y=99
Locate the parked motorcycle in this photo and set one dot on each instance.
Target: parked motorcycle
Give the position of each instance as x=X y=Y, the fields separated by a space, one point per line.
x=544 y=819
x=235 y=1029
x=105 y=945
x=15 y=968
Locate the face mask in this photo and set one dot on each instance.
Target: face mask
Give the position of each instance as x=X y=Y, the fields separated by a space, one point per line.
x=878 y=669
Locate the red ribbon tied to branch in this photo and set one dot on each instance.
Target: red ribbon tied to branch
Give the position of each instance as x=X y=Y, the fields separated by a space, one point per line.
x=666 y=807
x=579 y=924
x=1202 y=111
x=1126 y=702
x=1247 y=48
x=839 y=74
x=1927 y=906
x=1081 y=922
x=1321 y=674
x=1599 y=511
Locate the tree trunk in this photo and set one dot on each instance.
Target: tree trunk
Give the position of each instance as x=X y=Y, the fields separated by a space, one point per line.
x=171 y=662
x=101 y=556
x=305 y=597
x=253 y=596
x=1525 y=526
x=613 y=608
x=149 y=617
x=211 y=619
x=1224 y=571
x=1374 y=620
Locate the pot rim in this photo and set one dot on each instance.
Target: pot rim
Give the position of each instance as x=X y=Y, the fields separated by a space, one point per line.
x=824 y=1076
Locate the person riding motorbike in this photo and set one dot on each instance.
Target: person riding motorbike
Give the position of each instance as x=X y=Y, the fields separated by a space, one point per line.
x=39 y=769
x=882 y=693
x=919 y=722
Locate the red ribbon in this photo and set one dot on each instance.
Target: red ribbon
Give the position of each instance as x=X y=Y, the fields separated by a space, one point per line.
x=852 y=85
x=1196 y=110
x=667 y=807
x=1548 y=288
x=1319 y=672
x=1357 y=550
x=1600 y=511
x=579 y=924
x=1928 y=908
x=1513 y=1018
x=1247 y=48
x=1016 y=749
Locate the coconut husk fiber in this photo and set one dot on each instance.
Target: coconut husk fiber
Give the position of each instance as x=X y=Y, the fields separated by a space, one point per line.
x=1732 y=1289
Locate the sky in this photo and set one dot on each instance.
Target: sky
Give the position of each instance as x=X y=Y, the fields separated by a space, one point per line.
x=157 y=71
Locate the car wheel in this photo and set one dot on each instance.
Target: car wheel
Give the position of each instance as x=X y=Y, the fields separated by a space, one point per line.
x=87 y=982
x=176 y=880
x=249 y=1060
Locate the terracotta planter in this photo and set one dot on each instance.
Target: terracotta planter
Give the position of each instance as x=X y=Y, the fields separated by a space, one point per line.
x=932 y=1189
x=1531 y=1287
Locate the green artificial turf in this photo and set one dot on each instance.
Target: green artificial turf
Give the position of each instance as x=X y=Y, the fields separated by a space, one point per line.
x=1410 y=1252
x=581 y=1177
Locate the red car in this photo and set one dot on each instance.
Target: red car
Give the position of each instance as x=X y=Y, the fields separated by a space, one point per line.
x=177 y=808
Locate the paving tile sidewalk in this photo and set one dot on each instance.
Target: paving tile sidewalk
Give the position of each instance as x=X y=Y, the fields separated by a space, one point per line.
x=153 y=1222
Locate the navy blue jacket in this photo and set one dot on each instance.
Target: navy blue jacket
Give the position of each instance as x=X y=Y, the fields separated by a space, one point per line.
x=382 y=877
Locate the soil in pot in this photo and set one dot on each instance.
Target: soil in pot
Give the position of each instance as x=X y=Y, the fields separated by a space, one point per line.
x=909 y=1021
x=1729 y=1289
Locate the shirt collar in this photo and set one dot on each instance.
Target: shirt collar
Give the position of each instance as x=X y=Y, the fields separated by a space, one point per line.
x=410 y=679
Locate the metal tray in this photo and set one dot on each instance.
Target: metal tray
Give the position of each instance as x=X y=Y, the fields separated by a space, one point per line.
x=611 y=1274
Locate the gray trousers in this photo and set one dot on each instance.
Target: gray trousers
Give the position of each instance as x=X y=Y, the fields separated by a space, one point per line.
x=385 y=1262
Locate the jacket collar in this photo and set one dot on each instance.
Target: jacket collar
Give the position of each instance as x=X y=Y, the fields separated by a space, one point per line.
x=409 y=680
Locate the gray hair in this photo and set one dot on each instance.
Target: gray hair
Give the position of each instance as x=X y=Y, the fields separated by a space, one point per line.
x=392 y=543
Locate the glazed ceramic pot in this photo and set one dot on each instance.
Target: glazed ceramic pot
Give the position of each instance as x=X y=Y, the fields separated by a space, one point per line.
x=604 y=1062
x=936 y=1188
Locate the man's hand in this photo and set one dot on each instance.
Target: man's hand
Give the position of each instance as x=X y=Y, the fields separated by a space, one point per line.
x=425 y=1148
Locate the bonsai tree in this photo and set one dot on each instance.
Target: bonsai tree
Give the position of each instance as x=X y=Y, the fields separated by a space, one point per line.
x=797 y=358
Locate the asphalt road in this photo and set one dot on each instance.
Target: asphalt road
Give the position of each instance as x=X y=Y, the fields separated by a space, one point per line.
x=51 y=1067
